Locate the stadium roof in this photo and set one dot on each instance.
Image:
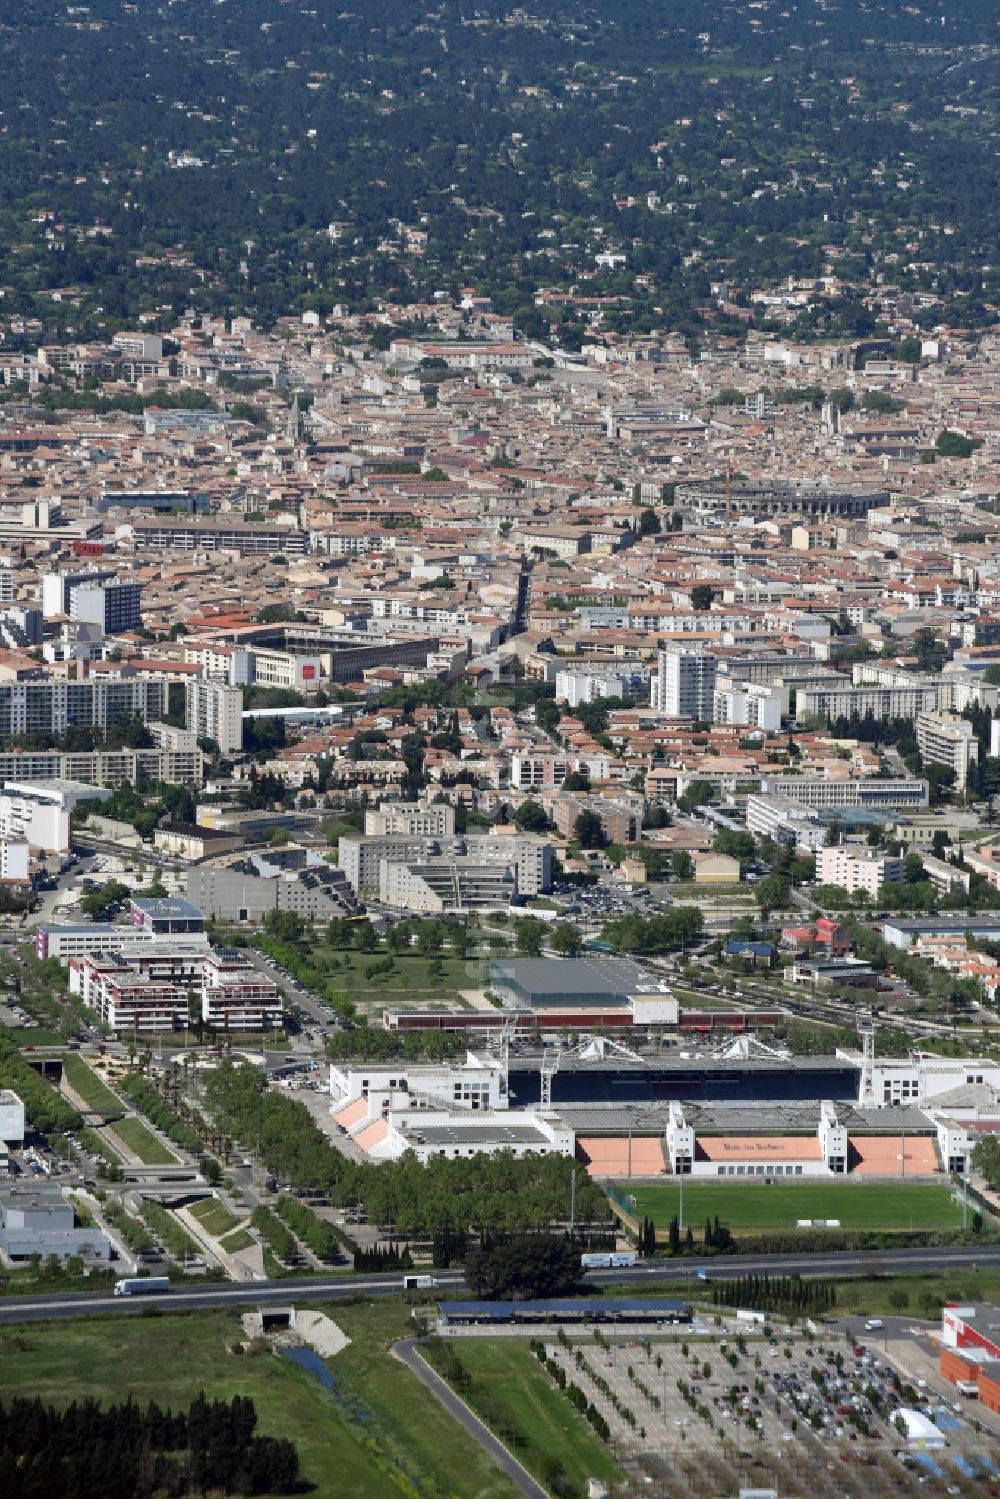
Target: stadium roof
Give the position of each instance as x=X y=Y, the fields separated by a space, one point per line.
x=472 y=1134
x=673 y=1062
x=737 y=1118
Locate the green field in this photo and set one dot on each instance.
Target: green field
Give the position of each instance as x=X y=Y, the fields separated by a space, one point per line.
x=386 y=1438
x=409 y=980
x=93 y=1090
x=143 y=1143
x=214 y=1218
x=234 y=1242
x=759 y=1207
x=513 y=1394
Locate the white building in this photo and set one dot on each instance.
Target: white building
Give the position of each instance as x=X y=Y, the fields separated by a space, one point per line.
x=838 y=701
x=235 y=996
x=213 y=710
x=11 y=1118
x=685 y=684
x=857 y=868
x=436 y=886
x=874 y=792
x=757 y=706
x=788 y=821
x=477 y=1083
x=547 y=772
x=85 y=940
x=35 y=815
x=363 y=858
x=581 y=685
x=922 y=1078
x=410 y=820
x=128 y=1001
x=139 y=345
x=112 y=606
x=946 y=739
x=13 y=861
x=454 y=1110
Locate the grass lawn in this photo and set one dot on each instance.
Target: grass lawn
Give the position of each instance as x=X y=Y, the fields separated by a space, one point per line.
x=410 y=979
x=170 y=1358
x=688 y=890
x=408 y=1421
x=213 y=1217
x=882 y=1206
x=35 y=1035
x=238 y=1240
x=93 y=1090
x=705 y=999
x=508 y=1380
x=143 y=1143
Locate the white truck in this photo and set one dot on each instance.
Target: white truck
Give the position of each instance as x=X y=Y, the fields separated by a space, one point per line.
x=142 y=1285
x=419 y=1282
x=622 y=1259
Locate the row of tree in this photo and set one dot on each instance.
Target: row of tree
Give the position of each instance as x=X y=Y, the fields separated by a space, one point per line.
x=780 y=1293
x=480 y=1193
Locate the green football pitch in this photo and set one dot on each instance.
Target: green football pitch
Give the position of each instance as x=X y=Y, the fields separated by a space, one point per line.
x=740 y=1206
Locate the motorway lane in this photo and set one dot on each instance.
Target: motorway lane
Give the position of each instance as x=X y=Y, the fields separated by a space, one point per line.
x=642 y=1277
x=837 y=1262
x=212 y=1296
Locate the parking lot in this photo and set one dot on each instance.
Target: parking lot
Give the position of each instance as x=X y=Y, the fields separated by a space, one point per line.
x=808 y=1415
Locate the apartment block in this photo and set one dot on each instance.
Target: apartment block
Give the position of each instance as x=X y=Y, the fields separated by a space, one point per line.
x=52 y=707
x=213 y=710
x=619 y=824
x=129 y=1002
x=858 y=868
x=758 y=707
x=105 y=767
x=946 y=739
x=583 y=686
x=440 y=885
x=530 y=859
x=817 y=791
x=685 y=684
x=411 y=820
x=38 y=818
x=112 y=607
x=14 y=858
x=836 y=701
x=547 y=772
x=235 y=996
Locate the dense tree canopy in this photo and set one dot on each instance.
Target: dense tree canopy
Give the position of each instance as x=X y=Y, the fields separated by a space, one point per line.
x=196 y=155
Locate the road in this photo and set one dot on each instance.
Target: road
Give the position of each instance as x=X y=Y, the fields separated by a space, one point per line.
x=407 y=1353
x=641 y=1278
x=296 y=998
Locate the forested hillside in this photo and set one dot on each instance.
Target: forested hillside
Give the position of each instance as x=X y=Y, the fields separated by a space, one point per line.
x=155 y=157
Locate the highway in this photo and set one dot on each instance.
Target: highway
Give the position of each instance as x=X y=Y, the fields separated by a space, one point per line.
x=641 y=1278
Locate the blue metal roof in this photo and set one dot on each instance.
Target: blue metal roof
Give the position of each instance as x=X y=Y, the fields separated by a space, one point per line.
x=578 y=1308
